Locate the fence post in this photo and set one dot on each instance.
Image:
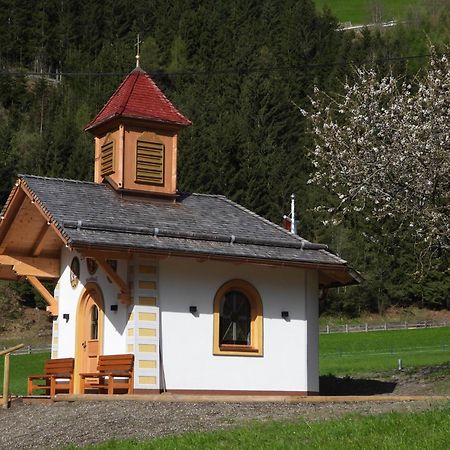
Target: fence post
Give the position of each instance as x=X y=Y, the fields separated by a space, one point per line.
x=6 y=353
x=346 y=327
x=6 y=382
x=328 y=329
x=29 y=349
x=385 y=326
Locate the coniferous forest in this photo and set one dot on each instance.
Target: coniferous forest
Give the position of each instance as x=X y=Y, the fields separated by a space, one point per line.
x=240 y=70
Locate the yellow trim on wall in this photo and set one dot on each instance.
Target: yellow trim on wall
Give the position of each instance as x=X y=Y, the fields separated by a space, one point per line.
x=130 y=348
x=147 y=348
x=147 y=332
x=151 y=317
x=147 y=269
x=147 y=285
x=256 y=327
x=130 y=332
x=147 y=364
x=147 y=301
x=147 y=380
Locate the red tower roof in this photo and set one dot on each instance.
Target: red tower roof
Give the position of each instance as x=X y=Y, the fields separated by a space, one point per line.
x=139 y=97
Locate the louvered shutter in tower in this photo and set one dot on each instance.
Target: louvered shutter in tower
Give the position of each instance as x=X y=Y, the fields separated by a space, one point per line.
x=107 y=159
x=150 y=162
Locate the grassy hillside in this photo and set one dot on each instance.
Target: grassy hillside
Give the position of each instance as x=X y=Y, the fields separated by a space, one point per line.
x=359 y=353
x=361 y=11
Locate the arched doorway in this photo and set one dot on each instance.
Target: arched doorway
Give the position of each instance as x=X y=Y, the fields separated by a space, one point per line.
x=89 y=334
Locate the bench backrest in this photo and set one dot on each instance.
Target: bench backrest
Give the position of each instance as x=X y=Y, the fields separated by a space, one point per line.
x=115 y=363
x=61 y=365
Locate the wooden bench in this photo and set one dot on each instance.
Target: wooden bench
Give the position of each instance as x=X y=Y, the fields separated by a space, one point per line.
x=114 y=372
x=57 y=377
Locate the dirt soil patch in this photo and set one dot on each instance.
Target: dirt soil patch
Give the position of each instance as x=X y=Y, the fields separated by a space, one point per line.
x=393 y=314
x=34 y=327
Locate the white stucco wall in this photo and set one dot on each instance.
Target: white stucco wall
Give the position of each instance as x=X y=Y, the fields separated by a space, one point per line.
x=114 y=341
x=187 y=340
x=312 y=334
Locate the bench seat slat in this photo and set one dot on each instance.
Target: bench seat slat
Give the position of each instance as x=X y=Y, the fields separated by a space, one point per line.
x=57 y=376
x=113 y=372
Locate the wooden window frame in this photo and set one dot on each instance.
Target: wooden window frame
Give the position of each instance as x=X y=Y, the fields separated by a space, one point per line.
x=256 y=322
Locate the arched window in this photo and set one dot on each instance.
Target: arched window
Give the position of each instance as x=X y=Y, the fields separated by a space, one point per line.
x=94 y=322
x=238 y=320
x=235 y=319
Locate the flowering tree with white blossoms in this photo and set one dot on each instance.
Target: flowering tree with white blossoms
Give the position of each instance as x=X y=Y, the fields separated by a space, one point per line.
x=383 y=148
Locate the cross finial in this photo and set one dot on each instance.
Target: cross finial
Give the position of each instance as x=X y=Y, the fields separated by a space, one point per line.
x=138 y=48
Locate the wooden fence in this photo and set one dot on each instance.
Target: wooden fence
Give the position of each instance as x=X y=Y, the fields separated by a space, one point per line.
x=386 y=326
x=7 y=353
x=29 y=349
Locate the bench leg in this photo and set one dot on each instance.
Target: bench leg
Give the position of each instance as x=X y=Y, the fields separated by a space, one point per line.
x=110 y=385
x=52 y=387
x=30 y=387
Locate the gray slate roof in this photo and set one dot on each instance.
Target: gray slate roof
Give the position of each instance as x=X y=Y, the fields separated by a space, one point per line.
x=91 y=214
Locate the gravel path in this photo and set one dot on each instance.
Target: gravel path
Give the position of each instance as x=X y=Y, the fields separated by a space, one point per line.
x=61 y=424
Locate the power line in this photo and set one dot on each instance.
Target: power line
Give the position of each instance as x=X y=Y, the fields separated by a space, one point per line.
x=233 y=70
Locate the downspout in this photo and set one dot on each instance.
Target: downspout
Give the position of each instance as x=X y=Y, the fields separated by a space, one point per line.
x=293 y=230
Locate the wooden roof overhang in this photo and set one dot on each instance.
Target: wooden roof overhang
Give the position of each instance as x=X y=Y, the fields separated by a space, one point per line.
x=30 y=245
x=330 y=275
x=132 y=122
x=30 y=242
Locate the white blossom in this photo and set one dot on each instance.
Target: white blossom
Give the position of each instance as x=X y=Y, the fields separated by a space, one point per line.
x=383 y=146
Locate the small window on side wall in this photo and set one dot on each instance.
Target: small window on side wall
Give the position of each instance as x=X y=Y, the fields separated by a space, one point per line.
x=238 y=320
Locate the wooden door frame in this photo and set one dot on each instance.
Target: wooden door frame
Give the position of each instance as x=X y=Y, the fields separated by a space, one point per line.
x=80 y=323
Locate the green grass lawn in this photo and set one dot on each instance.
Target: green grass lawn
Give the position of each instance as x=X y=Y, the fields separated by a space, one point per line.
x=340 y=354
x=21 y=367
x=425 y=430
x=358 y=11
x=359 y=353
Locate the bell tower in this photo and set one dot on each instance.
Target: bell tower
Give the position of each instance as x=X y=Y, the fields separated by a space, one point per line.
x=136 y=138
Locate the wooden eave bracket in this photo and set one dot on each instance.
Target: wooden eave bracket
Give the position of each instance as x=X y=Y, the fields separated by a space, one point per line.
x=38 y=245
x=52 y=307
x=32 y=266
x=125 y=294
